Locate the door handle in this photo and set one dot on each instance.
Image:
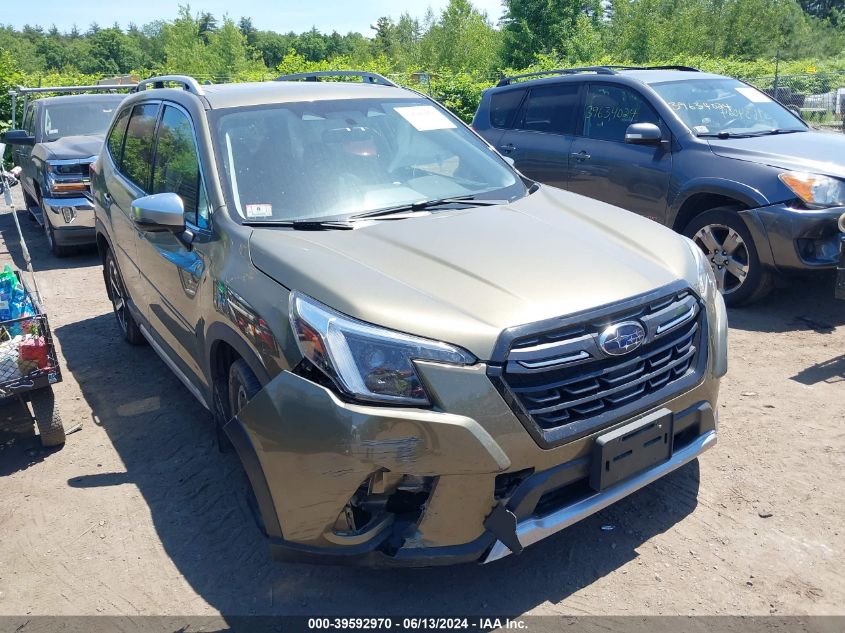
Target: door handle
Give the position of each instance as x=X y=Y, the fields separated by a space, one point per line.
x=107 y=199
x=582 y=155
x=507 y=149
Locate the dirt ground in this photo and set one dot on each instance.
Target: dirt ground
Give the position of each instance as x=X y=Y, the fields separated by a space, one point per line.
x=139 y=513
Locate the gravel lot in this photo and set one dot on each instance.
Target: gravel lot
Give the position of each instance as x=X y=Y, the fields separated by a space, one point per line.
x=139 y=513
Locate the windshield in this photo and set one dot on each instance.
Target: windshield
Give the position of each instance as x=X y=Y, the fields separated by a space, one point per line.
x=320 y=159
x=78 y=119
x=726 y=106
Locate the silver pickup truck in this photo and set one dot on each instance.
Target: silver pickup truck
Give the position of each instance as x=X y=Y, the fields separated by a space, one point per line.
x=60 y=138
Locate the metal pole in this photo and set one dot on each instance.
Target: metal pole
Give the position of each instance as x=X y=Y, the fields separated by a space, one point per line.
x=777 y=70
x=14 y=108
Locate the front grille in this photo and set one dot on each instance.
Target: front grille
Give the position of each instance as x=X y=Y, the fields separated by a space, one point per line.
x=562 y=383
x=85 y=169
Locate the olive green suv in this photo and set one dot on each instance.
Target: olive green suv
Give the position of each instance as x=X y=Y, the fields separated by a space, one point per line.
x=420 y=356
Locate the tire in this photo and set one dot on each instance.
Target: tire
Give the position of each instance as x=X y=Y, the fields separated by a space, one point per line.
x=726 y=241
x=29 y=202
x=47 y=417
x=117 y=294
x=56 y=249
x=243 y=385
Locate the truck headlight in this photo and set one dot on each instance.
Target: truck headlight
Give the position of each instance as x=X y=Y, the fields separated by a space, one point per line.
x=815 y=190
x=364 y=360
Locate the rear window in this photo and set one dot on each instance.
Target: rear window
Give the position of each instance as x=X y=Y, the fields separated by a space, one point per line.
x=551 y=109
x=503 y=107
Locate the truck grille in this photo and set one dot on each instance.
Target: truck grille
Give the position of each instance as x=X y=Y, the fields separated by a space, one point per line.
x=562 y=383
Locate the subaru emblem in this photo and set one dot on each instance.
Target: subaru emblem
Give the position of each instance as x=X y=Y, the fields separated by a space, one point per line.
x=621 y=338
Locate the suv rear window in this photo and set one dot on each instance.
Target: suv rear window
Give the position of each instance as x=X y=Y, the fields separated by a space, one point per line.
x=138 y=149
x=503 y=107
x=551 y=109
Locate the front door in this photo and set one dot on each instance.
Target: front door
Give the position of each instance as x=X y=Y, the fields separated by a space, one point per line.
x=173 y=268
x=540 y=140
x=23 y=153
x=603 y=166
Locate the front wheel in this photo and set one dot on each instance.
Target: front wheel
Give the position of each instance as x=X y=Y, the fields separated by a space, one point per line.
x=57 y=249
x=120 y=303
x=723 y=237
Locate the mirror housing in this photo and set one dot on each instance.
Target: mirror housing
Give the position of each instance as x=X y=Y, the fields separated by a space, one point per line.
x=643 y=134
x=19 y=137
x=159 y=212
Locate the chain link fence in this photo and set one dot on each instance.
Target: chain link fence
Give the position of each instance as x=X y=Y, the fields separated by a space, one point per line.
x=818 y=97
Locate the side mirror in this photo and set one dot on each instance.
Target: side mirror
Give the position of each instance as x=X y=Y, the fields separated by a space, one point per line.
x=643 y=134
x=796 y=112
x=18 y=137
x=159 y=212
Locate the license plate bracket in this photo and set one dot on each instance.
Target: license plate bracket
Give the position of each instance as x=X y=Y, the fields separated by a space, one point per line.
x=631 y=449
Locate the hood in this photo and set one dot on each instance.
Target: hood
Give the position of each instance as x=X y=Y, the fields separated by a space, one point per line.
x=70 y=147
x=464 y=276
x=816 y=152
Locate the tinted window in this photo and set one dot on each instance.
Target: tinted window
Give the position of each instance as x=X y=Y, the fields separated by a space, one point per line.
x=29 y=122
x=551 y=109
x=609 y=111
x=115 y=140
x=78 y=117
x=503 y=107
x=176 y=163
x=138 y=148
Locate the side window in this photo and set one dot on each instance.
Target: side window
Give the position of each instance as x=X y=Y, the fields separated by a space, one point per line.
x=609 y=111
x=29 y=120
x=176 y=167
x=551 y=109
x=118 y=131
x=138 y=148
x=503 y=107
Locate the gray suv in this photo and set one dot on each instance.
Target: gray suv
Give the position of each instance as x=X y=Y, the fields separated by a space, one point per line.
x=420 y=356
x=712 y=157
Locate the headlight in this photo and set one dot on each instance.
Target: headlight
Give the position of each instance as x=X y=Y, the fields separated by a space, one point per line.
x=707 y=288
x=366 y=361
x=815 y=190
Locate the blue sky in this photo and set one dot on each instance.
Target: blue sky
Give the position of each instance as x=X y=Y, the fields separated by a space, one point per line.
x=282 y=16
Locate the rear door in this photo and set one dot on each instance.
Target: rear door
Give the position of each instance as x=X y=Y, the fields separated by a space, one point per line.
x=603 y=166
x=542 y=133
x=172 y=268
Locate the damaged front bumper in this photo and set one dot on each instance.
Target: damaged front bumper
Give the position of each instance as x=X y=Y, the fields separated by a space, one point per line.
x=789 y=238
x=346 y=483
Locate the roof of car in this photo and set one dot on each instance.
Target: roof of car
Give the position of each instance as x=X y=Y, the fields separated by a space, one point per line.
x=259 y=93
x=646 y=76
x=116 y=97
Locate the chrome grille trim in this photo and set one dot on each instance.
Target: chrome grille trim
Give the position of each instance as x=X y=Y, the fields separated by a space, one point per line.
x=562 y=385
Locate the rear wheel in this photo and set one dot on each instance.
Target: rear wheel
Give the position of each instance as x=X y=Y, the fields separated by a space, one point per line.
x=723 y=237
x=47 y=417
x=119 y=301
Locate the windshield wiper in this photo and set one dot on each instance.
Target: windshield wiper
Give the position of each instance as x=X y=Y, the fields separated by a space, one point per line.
x=425 y=205
x=724 y=135
x=302 y=225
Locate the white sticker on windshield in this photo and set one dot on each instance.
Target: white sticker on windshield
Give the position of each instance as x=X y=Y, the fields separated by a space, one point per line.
x=753 y=95
x=259 y=210
x=701 y=129
x=425 y=118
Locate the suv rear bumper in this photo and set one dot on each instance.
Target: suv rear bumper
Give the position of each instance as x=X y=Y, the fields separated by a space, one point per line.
x=306 y=453
x=798 y=239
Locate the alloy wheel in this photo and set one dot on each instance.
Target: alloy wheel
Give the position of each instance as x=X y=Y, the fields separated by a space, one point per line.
x=727 y=253
x=117 y=297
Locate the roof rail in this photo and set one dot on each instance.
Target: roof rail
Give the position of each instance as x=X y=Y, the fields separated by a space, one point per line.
x=366 y=76
x=188 y=83
x=600 y=70
x=669 y=67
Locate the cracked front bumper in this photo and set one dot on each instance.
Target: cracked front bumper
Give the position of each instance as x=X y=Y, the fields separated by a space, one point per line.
x=307 y=452
x=788 y=238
